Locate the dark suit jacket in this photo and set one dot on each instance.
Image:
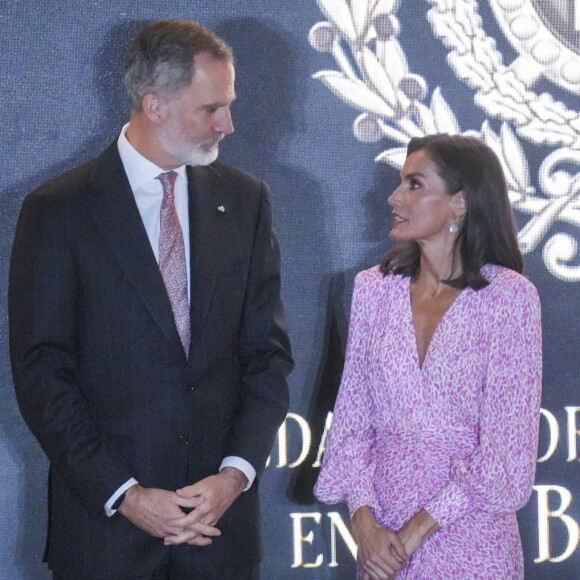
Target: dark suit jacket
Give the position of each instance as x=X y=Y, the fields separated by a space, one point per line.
x=100 y=374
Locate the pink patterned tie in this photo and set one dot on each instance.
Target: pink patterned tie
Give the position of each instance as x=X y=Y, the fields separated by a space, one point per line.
x=172 y=259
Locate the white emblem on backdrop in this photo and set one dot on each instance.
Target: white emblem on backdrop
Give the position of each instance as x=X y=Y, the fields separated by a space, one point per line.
x=373 y=76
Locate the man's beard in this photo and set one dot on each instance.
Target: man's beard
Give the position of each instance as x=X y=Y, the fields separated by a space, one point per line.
x=189 y=153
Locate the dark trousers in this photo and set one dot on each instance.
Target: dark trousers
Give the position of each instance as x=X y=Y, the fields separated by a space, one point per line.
x=203 y=568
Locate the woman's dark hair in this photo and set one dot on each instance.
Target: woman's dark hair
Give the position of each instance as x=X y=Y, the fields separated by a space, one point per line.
x=488 y=233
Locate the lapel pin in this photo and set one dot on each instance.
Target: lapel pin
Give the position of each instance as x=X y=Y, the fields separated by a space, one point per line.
x=221 y=208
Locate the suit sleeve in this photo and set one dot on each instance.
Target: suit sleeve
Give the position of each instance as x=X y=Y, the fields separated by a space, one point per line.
x=264 y=349
x=43 y=298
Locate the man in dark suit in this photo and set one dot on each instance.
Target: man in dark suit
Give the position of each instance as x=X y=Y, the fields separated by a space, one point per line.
x=148 y=341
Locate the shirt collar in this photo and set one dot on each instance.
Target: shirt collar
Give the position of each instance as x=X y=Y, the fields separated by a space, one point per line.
x=139 y=169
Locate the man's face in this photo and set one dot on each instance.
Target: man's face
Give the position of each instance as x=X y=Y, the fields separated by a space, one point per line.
x=199 y=114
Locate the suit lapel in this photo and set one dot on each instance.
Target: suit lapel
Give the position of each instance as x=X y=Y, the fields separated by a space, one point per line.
x=208 y=233
x=117 y=217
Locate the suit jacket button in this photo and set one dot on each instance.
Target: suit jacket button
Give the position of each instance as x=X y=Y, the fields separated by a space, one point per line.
x=183 y=439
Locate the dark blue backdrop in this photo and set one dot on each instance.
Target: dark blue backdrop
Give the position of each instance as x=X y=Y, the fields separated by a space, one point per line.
x=62 y=103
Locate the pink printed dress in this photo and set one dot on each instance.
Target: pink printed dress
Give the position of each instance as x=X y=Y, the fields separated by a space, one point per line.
x=457 y=437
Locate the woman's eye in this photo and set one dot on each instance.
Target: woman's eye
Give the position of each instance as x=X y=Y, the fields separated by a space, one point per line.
x=413 y=184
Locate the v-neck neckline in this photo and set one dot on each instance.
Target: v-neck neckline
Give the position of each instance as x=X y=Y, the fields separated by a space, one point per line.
x=436 y=332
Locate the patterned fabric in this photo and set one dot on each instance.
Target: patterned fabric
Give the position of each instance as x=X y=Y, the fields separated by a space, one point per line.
x=457 y=437
x=172 y=258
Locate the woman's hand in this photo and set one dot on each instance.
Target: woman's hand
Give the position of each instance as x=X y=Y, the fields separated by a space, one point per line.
x=381 y=553
x=416 y=531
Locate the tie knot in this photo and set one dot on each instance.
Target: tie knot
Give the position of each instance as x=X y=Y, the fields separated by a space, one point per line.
x=167 y=181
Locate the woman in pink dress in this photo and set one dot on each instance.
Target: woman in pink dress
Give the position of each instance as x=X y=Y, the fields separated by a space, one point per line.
x=434 y=437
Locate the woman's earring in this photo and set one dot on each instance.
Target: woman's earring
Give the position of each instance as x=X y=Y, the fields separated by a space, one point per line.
x=454 y=227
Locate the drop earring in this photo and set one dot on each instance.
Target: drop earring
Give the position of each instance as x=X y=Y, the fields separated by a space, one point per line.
x=457 y=220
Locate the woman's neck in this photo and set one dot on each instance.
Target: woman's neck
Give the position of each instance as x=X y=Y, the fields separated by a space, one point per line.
x=438 y=265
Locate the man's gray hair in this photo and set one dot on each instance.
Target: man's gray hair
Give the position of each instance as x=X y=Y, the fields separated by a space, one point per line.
x=160 y=59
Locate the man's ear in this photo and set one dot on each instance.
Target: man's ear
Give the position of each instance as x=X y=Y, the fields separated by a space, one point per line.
x=459 y=203
x=154 y=107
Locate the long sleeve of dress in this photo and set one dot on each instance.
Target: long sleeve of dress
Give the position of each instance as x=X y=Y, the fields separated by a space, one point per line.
x=497 y=477
x=348 y=466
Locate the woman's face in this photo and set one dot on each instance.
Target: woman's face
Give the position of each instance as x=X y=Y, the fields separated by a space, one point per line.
x=422 y=210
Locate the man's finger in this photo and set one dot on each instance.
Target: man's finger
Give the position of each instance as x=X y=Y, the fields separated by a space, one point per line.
x=207 y=530
x=192 y=490
x=200 y=535
x=187 y=538
x=200 y=541
x=198 y=515
x=193 y=524
x=189 y=501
